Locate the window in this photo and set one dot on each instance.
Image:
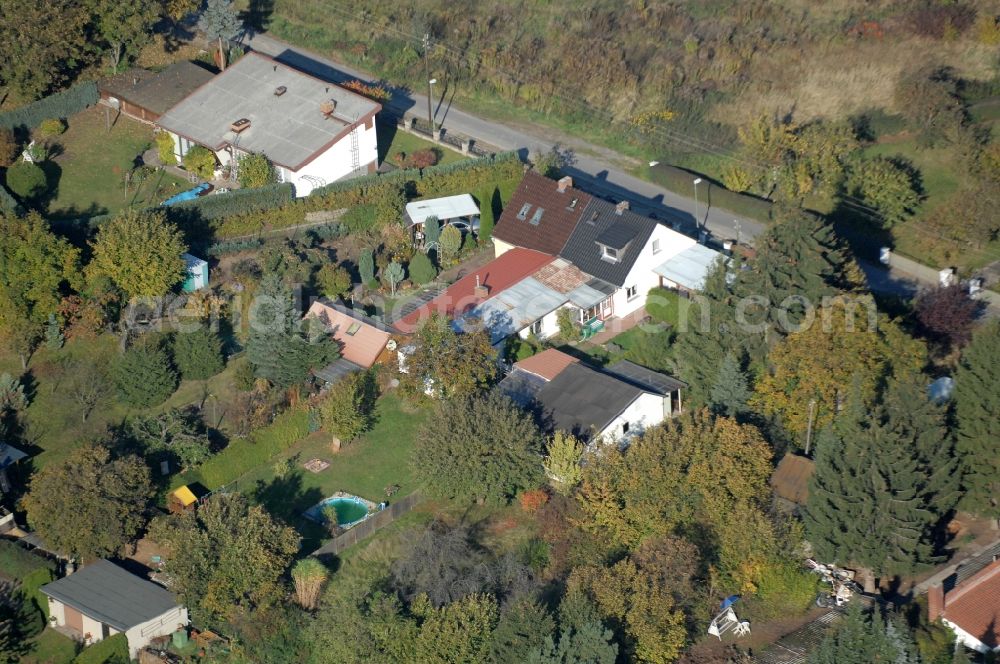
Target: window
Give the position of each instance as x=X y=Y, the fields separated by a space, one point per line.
x=523 y=213
x=537 y=217
x=656 y=246
x=624 y=428
x=609 y=254
x=631 y=292
x=536 y=327
x=572 y=205
x=353 y=329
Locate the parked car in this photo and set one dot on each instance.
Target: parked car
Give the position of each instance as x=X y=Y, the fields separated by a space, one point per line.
x=464 y=226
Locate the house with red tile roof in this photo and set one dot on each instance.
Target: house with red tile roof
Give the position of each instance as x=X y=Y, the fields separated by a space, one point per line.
x=476 y=287
x=971 y=608
x=362 y=341
x=541 y=215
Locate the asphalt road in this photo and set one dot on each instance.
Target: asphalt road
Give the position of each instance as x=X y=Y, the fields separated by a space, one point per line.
x=595 y=169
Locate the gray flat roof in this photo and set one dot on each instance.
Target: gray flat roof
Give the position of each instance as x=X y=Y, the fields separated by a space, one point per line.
x=157 y=92
x=290 y=129
x=582 y=401
x=109 y=594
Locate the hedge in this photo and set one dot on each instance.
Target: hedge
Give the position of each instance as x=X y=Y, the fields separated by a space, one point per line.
x=18 y=562
x=244 y=454
x=59 y=105
x=239 y=201
x=111 y=650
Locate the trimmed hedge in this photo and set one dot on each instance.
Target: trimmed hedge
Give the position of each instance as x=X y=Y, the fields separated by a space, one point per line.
x=233 y=246
x=112 y=650
x=59 y=105
x=244 y=454
x=18 y=563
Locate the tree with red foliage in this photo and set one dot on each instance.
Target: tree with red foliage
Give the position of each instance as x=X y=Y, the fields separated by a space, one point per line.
x=946 y=314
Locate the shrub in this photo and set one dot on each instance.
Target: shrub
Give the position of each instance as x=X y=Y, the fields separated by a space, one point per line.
x=233 y=247
x=200 y=161
x=9 y=147
x=348 y=409
x=374 y=91
x=59 y=105
x=51 y=127
x=165 y=148
x=784 y=589
x=333 y=281
x=144 y=376
x=533 y=499
x=112 y=650
x=27 y=180
x=421 y=269
x=255 y=170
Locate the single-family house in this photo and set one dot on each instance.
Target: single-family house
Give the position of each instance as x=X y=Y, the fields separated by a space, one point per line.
x=971 y=608
x=102 y=599
x=145 y=95
x=609 y=405
x=313 y=131
x=473 y=289
x=363 y=341
x=541 y=215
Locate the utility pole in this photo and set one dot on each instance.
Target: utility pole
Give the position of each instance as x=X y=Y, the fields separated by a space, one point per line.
x=427 y=71
x=809 y=427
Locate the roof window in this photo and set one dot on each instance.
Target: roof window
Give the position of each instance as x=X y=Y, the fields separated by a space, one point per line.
x=353 y=329
x=537 y=217
x=523 y=213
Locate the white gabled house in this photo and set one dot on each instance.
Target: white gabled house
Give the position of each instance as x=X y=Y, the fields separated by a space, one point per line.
x=313 y=131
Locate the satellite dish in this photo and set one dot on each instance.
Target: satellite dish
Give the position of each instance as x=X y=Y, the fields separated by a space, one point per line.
x=391 y=344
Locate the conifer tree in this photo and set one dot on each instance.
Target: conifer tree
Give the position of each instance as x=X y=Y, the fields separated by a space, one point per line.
x=281 y=347
x=198 y=354
x=729 y=393
x=366 y=268
x=864 y=638
x=977 y=404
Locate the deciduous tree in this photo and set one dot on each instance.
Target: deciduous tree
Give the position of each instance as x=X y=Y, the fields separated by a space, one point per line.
x=394 y=273
x=480 y=448
x=348 y=408
x=333 y=281
x=45 y=44
x=177 y=433
x=455 y=364
x=27 y=181
x=946 y=314
x=140 y=252
x=125 y=27
x=977 y=402
x=108 y=498
x=226 y=557
x=562 y=463
x=886 y=186
x=458 y=632
x=10 y=148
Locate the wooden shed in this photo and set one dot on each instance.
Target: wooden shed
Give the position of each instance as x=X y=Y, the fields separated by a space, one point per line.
x=146 y=95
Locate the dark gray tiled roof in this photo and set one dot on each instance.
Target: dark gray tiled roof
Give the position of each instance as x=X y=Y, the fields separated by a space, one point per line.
x=111 y=595
x=581 y=400
x=647 y=379
x=601 y=224
x=337 y=369
x=9 y=455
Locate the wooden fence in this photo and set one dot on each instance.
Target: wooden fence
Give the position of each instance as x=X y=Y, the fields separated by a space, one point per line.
x=367 y=527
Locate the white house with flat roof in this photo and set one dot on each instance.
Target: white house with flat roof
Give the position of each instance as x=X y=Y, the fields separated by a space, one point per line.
x=313 y=131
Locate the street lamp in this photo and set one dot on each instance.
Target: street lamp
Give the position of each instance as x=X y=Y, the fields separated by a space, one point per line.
x=430 y=95
x=697 y=181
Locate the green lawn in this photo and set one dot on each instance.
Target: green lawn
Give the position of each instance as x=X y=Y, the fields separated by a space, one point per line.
x=92 y=164
x=50 y=647
x=392 y=141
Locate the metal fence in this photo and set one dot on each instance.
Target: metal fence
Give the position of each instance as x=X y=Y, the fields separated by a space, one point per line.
x=367 y=527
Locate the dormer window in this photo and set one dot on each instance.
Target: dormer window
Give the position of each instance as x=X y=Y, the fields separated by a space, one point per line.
x=609 y=254
x=523 y=213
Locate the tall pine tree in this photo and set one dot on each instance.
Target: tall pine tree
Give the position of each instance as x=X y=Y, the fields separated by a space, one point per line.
x=880 y=489
x=977 y=404
x=282 y=348
x=729 y=393
x=865 y=638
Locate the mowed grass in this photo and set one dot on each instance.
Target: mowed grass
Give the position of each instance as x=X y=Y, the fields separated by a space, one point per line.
x=393 y=141
x=50 y=647
x=939 y=176
x=90 y=170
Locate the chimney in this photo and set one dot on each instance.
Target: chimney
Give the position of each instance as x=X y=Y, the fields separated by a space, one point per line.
x=564 y=183
x=621 y=207
x=481 y=291
x=935 y=602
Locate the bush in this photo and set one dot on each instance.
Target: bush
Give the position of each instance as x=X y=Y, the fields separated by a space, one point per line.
x=200 y=161
x=333 y=281
x=144 y=376
x=112 y=650
x=233 y=247
x=27 y=180
x=51 y=127
x=533 y=499
x=59 y=105
x=784 y=589
x=198 y=354
x=422 y=269
x=165 y=148
x=255 y=170
x=10 y=148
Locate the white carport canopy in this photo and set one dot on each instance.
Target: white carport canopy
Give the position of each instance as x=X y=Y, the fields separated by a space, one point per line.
x=449 y=207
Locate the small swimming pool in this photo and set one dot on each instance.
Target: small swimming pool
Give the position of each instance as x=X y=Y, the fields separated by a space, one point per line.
x=188 y=195
x=348 y=510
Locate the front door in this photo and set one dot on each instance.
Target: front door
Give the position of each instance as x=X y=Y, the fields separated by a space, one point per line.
x=74 y=619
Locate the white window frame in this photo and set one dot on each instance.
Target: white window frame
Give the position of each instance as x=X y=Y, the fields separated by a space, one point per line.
x=609 y=254
x=656 y=247
x=631 y=292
